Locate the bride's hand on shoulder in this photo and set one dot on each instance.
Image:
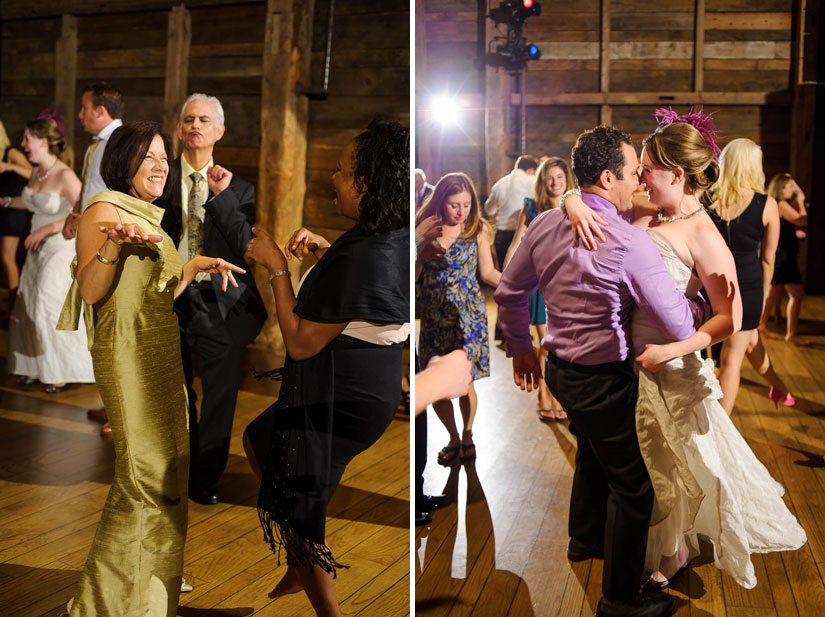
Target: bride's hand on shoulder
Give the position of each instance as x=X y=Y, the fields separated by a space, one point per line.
x=584 y=222
x=654 y=357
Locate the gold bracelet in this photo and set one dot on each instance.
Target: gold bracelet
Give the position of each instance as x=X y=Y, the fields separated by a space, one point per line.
x=103 y=260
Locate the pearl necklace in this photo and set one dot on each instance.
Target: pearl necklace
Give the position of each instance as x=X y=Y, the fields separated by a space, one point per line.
x=48 y=171
x=670 y=219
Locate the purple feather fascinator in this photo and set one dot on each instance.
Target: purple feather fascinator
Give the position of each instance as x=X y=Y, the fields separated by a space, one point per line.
x=53 y=115
x=699 y=120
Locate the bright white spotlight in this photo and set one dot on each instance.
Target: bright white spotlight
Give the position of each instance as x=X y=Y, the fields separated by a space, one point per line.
x=445 y=109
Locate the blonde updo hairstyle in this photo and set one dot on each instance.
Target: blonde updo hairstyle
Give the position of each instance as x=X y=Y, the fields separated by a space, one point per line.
x=46 y=128
x=682 y=145
x=740 y=168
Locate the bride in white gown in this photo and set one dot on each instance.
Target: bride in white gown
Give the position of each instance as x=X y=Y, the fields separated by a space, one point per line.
x=707 y=480
x=36 y=349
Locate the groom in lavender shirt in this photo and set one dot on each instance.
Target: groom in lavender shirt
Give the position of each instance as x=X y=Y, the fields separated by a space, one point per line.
x=590 y=296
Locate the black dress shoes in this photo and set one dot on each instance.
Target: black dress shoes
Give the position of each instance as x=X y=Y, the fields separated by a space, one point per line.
x=433 y=502
x=204 y=497
x=579 y=551
x=642 y=606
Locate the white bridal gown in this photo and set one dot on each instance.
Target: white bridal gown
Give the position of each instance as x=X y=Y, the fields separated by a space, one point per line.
x=35 y=347
x=706 y=478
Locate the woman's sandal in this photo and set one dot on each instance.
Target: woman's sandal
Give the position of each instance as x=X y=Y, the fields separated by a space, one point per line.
x=468 y=452
x=447 y=455
x=52 y=389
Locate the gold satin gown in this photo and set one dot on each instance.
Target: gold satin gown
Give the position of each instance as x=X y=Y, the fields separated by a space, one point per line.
x=135 y=564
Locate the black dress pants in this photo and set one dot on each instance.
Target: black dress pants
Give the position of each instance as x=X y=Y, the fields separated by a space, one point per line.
x=501 y=242
x=612 y=495
x=206 y=340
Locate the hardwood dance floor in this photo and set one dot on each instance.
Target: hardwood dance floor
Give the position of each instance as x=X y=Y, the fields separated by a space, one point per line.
x=499 y=548
x=55 y=471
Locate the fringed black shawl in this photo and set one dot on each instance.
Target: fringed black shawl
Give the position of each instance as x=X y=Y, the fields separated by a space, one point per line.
x=360 y=277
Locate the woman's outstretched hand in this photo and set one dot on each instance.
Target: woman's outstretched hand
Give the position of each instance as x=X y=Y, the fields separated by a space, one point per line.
x=216 y=265
x=263 y=250
x=130 y=233
x=303 y=242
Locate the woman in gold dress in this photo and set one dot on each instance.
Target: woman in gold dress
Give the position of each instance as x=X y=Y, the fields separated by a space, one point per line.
x=128 y=274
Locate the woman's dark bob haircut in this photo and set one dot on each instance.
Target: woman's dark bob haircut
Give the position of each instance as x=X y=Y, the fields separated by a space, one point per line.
x=381 y=170
x=124 y=154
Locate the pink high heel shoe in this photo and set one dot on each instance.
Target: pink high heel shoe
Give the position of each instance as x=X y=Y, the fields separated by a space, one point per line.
x=777 y=396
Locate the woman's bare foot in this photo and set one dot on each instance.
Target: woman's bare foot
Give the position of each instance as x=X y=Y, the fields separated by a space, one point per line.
x=287 y=585
x=797 y=341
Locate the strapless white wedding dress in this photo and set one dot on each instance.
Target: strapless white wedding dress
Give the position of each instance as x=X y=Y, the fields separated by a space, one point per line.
x=707 y=480
x=35 y=347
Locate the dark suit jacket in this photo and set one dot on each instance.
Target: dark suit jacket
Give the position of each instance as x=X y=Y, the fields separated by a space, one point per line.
x=227 y=228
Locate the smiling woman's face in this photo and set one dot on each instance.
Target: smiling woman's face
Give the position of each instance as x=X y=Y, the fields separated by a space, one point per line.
x=151 y=175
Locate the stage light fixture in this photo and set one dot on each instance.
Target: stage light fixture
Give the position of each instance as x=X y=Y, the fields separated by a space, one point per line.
x=512 y=50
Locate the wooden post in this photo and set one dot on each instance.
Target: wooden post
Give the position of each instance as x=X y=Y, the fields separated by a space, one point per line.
x=423 y=152
x=496 y=114
x=65 y=75
x=177 y=69
x=699 y=48
x=606 y=115
x=284 y=120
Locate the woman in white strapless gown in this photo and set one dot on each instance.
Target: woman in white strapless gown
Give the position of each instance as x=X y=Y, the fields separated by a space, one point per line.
x=706 y=479
x=36 y=348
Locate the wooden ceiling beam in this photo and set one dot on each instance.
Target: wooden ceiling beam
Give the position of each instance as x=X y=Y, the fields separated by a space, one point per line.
x=655 y=98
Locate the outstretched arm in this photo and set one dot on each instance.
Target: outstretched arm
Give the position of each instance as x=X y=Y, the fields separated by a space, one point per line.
x=100 y=238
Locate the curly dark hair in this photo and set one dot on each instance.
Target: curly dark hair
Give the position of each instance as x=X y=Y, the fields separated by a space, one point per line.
x=381 y=170
x=124 y=153
x=596 y=150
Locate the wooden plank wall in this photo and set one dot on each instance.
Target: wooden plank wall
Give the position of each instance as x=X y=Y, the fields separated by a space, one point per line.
x=127 y=46
x=739 y=62
x=369 y=76
x=27 y=75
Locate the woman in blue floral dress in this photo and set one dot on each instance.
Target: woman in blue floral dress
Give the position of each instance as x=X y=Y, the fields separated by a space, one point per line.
x=449 y=301
x=553 y=178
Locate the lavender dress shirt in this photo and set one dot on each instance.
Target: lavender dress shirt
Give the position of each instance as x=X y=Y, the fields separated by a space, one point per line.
x=590 y=294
